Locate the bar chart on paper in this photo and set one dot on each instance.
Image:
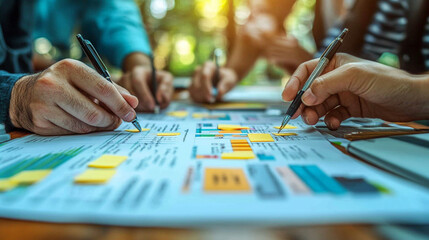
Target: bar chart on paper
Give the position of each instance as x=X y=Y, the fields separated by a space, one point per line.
x=192 y=166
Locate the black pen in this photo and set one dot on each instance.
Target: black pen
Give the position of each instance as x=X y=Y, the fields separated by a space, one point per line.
x=98 y=64
x=154 y=84
x=323 y=62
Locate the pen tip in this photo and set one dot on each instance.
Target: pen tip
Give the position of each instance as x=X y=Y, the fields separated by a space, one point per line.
x=137 y=125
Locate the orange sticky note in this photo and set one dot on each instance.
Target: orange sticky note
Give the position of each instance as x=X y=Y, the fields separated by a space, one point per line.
x=95 y=176
x=107 y=161
x=230 y=127
x=229 y=131
x=260 y=137
x=238 y=141
x=241 y=149
x=238 y=155
x=225 y=180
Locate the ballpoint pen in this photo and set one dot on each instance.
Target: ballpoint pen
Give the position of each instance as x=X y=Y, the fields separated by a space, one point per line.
x=216 y=54
x=98 y=64
x=154 y=84
x=323 y=62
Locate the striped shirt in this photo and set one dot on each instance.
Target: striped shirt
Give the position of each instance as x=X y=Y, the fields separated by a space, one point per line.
x=386 y=32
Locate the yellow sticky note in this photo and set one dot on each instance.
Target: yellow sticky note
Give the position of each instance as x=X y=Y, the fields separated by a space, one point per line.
x=30 y=176
x=287 y=127
x=285 y=134
x=178 y=114
x=200 y=115
x=107 y=161
x=136 y=130
x=168 y=134
x=95 y=176
x=238 y=155
x=6 y=185
x=225 y=179
x=260 y=137
x=230 y=127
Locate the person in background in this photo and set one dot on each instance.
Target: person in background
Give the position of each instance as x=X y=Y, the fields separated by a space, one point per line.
x=263 y=35
x=115 y=28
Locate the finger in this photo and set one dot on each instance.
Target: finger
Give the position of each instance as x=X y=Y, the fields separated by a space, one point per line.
x=79 y=106
x=334 y=118
x=196 y=85
x=51 y=129
x=140 y=80
x=91 y=82
x=312 y=114
x=207 y=75
x=298 y=78
x=165 y=89
x=66 y=121
x=132 y=100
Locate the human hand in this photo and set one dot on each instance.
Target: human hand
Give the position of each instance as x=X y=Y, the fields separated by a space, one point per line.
x=201 y=86
x=69 y=97
x=139 y=81
x=286 y=52
x=352 y=87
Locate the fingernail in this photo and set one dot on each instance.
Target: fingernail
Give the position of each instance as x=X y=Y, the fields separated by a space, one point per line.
x=129 y=117
x=306 y=119
x=309 y=98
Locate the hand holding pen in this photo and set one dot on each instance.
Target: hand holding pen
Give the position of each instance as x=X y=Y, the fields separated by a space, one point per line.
x=323 y=62
x=210 y=82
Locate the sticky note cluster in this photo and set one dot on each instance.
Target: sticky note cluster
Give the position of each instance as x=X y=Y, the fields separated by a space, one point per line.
x=225 y=180
x=241 y=150
x=260 y=137
x=101 y=171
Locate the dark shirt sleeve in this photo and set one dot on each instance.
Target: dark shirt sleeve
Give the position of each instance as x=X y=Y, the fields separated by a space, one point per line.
x=7 y=81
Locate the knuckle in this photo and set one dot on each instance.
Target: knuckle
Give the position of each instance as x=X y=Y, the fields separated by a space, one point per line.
x=93 y=118
x=103 y=88
x=123 y=108
x=67 y=63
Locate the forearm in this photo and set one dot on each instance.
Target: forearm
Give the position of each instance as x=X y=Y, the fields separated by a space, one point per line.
x=7 y=82
x=135 y=59
x=243 y=56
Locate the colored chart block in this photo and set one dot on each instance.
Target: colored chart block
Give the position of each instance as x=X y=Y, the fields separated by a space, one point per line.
x=292 y=180
x=30 y=176
x=260 y=137
x=238 y=155
x=265 y=183
x=308 y=179
x=136 y=130
x=240 y=145
x=229 y=131
x=6 y=185
x=95 y=176
x=178 y=114
x=107 y=161
x=285 y=134
x=357 y=185
x=286 y=127
x=241 y=149
x=264 y=157
x=330 y=184
x=167 y=134
x=225 y=180
x=230 y=127
x=238 y=141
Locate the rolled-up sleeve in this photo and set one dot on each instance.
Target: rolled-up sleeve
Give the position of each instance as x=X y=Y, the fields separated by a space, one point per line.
x=116 y=29
x=7 y=81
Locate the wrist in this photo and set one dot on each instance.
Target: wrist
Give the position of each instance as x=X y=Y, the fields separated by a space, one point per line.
x=135 y=59
x=19 y=95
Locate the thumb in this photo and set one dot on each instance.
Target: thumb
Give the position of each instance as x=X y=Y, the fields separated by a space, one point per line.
x=342 y=79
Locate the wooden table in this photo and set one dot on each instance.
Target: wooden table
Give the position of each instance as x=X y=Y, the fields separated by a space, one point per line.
x=16 y=229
